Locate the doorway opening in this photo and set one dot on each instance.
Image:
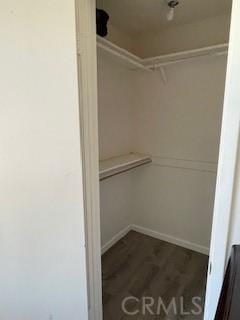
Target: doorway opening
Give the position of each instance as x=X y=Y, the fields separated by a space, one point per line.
x=161 y=80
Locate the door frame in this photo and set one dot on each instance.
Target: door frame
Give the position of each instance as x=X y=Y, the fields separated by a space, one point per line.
x=87 y=60
x=88 y=105
x=228 y=157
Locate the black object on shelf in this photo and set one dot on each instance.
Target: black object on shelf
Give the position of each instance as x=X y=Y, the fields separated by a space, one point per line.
x=229 y=302
x=101 y=20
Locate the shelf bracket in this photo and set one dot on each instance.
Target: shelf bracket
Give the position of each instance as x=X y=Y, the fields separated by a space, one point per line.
x=163 y=75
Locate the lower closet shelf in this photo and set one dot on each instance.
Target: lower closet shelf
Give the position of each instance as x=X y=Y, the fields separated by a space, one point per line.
x=116 y=165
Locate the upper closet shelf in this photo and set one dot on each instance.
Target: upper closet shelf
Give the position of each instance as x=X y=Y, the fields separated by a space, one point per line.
x=150 y=64
x=182 y=56
x=121 y=164
x=126 y=57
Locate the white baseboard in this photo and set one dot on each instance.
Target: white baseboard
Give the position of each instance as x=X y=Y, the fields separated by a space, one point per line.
x=115 y=239
x=157 y=235
x=171 y=239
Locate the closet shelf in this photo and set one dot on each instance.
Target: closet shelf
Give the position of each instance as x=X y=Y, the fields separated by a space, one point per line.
x=127 y=58
x=150 y=64
x=164 y=60
x=116 y=165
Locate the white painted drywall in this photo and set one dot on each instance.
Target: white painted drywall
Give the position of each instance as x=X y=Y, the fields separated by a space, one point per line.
x=208 y=32
x=181 y=119
x=116 y=205
x=173 y=38
x=120 y=38
x=115 y=100
x=42 y=246
x=179 y=125
x=175 y=202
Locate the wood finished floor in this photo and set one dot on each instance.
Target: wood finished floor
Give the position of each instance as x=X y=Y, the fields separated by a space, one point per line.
x=140 y=266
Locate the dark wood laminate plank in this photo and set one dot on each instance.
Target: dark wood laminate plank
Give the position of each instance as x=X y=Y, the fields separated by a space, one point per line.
x=142 y=266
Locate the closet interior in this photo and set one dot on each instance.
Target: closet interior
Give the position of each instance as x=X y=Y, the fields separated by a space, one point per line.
x=161 y=77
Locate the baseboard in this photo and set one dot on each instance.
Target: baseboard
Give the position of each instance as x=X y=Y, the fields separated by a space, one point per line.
x=171 y=239
x=115 y=239
x=157 y=235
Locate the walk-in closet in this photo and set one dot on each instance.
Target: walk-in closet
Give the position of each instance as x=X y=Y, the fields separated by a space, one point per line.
x=161 y=78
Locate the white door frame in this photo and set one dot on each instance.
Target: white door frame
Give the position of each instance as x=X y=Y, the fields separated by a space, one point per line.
x=89 y=135
x=228 y=153
x=87 y=64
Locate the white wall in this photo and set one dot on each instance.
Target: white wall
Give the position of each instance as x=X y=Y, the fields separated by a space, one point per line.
x=208 y=32
x=115 y=102
x=42 y=247
x=121 y=39
x=179 y=125
x=182 y=118
x=116 y=206
x=203 y=33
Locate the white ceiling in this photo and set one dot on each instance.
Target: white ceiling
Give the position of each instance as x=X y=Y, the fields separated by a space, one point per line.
x=137 y=16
